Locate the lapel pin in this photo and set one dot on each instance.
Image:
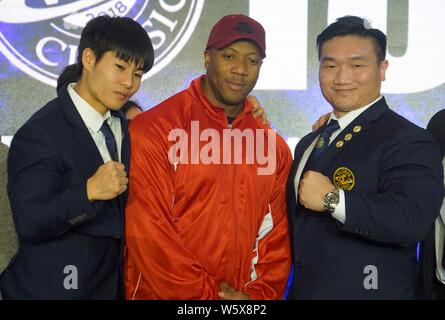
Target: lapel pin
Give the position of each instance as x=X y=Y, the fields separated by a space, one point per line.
x=320 y=143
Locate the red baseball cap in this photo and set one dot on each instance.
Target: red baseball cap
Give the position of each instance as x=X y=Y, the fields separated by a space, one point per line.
x=236 y=27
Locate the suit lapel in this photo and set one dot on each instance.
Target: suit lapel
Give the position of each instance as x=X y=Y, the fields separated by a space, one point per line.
x=356 y=128
x=125 y=152
x=125 y=146
x=301 y=148
x=86 y=148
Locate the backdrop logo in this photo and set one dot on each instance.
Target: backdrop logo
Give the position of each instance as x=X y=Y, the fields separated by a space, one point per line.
x=40 y=37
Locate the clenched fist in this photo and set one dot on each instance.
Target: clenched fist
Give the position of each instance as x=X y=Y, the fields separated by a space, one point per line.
x=312 y=189
x=109 y=181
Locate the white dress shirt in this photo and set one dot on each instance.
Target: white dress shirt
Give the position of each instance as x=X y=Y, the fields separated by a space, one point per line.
x=94 y=120
x=439 y=233
x=340 y=211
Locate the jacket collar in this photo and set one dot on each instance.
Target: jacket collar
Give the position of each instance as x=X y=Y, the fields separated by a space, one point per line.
x=83 y=136
x=348 y=135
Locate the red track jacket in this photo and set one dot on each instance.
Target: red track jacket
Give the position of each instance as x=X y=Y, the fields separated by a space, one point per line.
x=192 y=223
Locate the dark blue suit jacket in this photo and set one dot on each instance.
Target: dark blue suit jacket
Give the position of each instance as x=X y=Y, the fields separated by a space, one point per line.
x=436 y=127
x=396 y=197
x=50 y=159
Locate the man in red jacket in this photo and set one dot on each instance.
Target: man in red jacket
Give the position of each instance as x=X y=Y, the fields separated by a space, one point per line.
x=206 y=215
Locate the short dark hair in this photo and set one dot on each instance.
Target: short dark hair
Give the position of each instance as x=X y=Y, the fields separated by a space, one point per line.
x=352 y=25
x=122 y=35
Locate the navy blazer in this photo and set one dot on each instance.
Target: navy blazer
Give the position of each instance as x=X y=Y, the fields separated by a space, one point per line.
x=436 y=126
x=391 y=172
x=50 y=159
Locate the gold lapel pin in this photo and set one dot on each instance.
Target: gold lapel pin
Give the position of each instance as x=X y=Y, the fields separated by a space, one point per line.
x=320 y=143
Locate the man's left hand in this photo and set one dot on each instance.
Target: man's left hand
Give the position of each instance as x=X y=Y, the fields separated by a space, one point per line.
x=228 y=293
x=313 y=188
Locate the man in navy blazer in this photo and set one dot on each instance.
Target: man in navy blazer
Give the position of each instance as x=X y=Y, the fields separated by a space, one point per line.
x=365 y=188
x=67 y=170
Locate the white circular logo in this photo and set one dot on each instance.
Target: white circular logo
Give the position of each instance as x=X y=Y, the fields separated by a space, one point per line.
x=40 y=37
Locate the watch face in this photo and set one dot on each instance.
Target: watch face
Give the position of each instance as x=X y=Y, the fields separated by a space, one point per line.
x=331 y=201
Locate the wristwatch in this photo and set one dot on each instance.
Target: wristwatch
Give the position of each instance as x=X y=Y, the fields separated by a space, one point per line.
x=331 y=200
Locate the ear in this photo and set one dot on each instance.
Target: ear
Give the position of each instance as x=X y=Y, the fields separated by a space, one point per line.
x=206 y=58
x=88 y=59
x=383 y=66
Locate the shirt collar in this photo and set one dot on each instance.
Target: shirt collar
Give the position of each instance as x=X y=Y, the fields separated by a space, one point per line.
x=351 y=115
x=90 y=116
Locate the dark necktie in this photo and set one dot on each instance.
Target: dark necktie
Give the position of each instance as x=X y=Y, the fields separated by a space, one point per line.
x=322 y=144
x=110 y=141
